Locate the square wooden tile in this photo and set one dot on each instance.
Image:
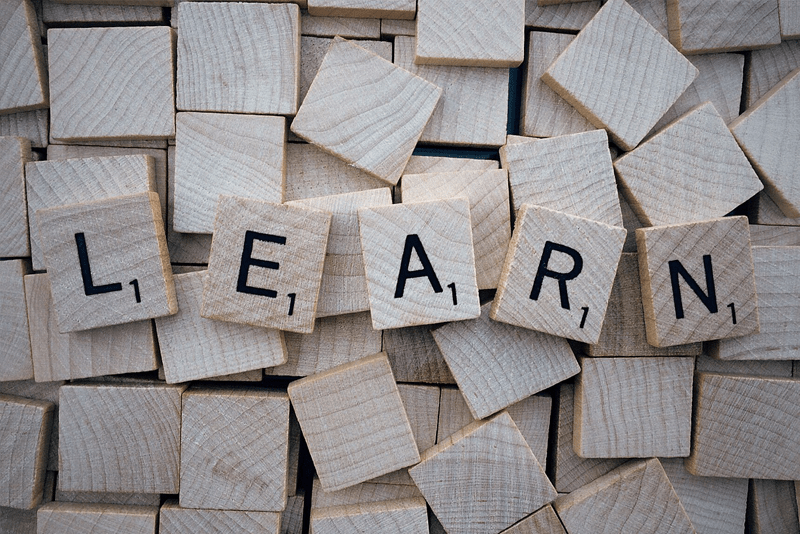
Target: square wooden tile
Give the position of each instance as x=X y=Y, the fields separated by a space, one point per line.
x=173 y=519
x=56 y=517
x=15 y=152
x=15 y=349
x=409 y=516
x=22 y=67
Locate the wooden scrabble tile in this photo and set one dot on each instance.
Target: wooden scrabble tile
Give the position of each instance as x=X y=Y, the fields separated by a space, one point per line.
x=15 y=152
x=435 y=236
x=32 y=125
x=566 y=17
x=221 y=473
x=767 y=131
x=763 y=210
x=431 y=164
x=58 y=183
x=15 y=349
x=276 y=282
x=58 y=14
x=546 y=172
x=46 y=391
x=767 y=67
x=134 y=65
x=176 y=520
x=473 y=109
x=544 y=521
x=415 y=357
x=94 y=497
x=354 y=423
x=705 y=363
x=772 y=507
x=573 y=303
x=633 y=407
x=363 y=493
x=422 y=408
x=695 y=27
x=22 y=68
x=292 y=515
x=762 y=235
x=238 y=58
x=454 y=414
x=670 y=263
x=789 y=14
x=374 y=131
x=390 y=9
x=131 y=443
x=24 y=437
x=512 y=482
x=654 y=12
x=407 y=516
x=636 y=497
x=474 y=34
x=657 y=71
x=56 y=517
x=183 y=248
x=118 y=241
x=487 y=192
x=394 y=27
x=346 y=27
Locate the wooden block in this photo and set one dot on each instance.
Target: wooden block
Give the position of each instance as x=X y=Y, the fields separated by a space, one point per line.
x=134 y=65
x=636 y=497
x=15 y=349
x=544 y=521
x=435 y=235
x=654 y=12
x=366 y=492
x=391 y=9
x=589 y=248
x=394 y=27
x=238 y=58
x=46 y=391
x=505 y=480
x=765 y=211
x=473 y=109
x=454 y=414
x=346 y=27
x=24 y=437
x=358 y=127
x=789 y=14
x=407 y=516
x=421 y=404
x=473 y=34
x=183 y=248
x=432 y=164
x=633 y=407
x=566 y=17
x=546 y=172
x=92 y=497
x=766 y=132
x=292 y=516
x=59 y=183
x=705 y=363
x=695 y=27
x=354 y=422
x=56 y=517
x=54 y=13
x=118 y=143
x=32 y=125
x=669 y=254
x=415 y=357
x=271 y=286
x=487 y=192
x=657 y=71
x=762 y=235
x=15 y=152
x=221 y=473
x=175 y=520
x=130 y=444
x=767 y=67
x=22 y=68
x=772 y=507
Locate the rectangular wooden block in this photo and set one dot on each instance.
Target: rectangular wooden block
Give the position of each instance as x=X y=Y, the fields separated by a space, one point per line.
x=22 y=67
x=176 y=520
x=31 y=125
x=15 y=152
x=57 y=517
x=407 y=516
x=346 y=27
x=566 y=17
x=15 y=349
x=415 y=357
x=375 y=9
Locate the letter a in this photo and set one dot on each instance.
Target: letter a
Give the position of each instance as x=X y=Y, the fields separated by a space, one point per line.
x=413 y=243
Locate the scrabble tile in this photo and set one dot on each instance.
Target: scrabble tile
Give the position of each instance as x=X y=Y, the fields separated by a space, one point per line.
x=487 y=192
x=415 y=357
x=705 y=363
x=431 y=164
x=421 y=404
x=565 y=295
x=544 y=521
x=654 y=12
x=789 y=14
x=374 y=131
x=745 y=427
x=435 y=236
x=473 y=109
x=762 y=235
x=46 y=391
x=32 y=125
x=346 y=27
x=15 y=349
x=494 y=452
x=395 y=27
x=363 y=493
x=119 y=241
x=134 y=65
x=636 y=497
x=183 y=248
x=690 y=274
x=58 y=517
x=475 y=34
x=658 y=73
x=695 y=28
x=566 y=17
x=276 y=282
x=454 y=414
x=24 y=437
x=22 y=68
x=546 y=172
x=175 y=520
x=407 y=516
x=772 y=506
x=221 y=473
x=390 y=9
x=57 y=14
x=767 y=67
x=15 y=152
x=131 y=444
x=765 y=211
x=354 y=423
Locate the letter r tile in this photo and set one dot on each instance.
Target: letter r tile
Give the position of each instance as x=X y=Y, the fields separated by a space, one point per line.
x=558 y=274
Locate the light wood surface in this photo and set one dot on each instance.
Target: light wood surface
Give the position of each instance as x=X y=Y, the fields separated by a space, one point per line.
x=454 y=414
x=407 y=516
x=762 y=235
x=433 y=164
x=393 y=27
x=765 y=211
x=55 y=13
x=654 y=12
x=23 y=77
x=46 y=391
x=183 y=248
x=415 y=357
x=15 y=152
x=95 y=497
x=705 y=363
x=56 y=517
x=346 y=27
x=772 y=507
x=422 y=408
x=363 y=493
x=544 y=521
x=292 y=516
x=566 y=17
x=15 y=351
x=176 y=520
x=768 y=67
x=32 y=125
x=789 y=14
x=390 y=9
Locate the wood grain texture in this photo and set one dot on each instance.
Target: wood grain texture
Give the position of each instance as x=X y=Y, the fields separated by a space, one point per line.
x=597 y=244
x=354 y=422
x=23 y=76
x=129 y=443
x=183 y=248
x=363 y=493
x=15 y=521
x=357 y=126
x=298 y=272
x=487 y=192
x=597 y=73
x=346 y=27
x=46 y=391
x=176 y=520
x=238 y=58
x=444 y=237
x=407 y=516
x=162 y=3
x=544 y=521
x=772 y=507
x=767 y=67
x=483 y=478
x=15 y=152
x=471 y=34
x=767 y=131
x=432 y=164
x=15 y=348
x=32 y=125
x=422 y=408
x=789 y=14
x=394 y=27
x=93 y=497
x=415 y=357
x=454 y=413
x=567 y=17
x=762 y=235
x=765 y=211
x=118 y=143
x=636 y=497
x=390 y=9
x=473 y=109
x=654 y=12
x=697 y=27
x=292 y=516
x=56 y=517
x=55 y=13
x=705 y=363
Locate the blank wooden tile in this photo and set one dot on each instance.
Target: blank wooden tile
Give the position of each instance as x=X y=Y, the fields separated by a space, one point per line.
x=764 y=210
x=636 y=497
x=238 y=58
x=395 y=27
x=407 y=516
x=225 y=154
x=414 y=356
x=772 y=507
x=435 y=235
x=487 y=192
x=390 y=9
x=762 y=235
x=32 y=125
x=46 y=391
x=657 y=71
x=476 y=34
x=544 y=521
x=57 y=14
x=695 y=27
x=56 y=517
x=130 y=444
x=473 y=109
x=565 y=293
x=567 y=17
x=431 y=164
x=183 y=248
x=745 y=427
x=346 y=27
x=176 y=520
x=654 y=12
x=374 y=131
x=714 y=252
x=276 y=282
x=363 y=493
x=767 y=67
x=483 y=478
x=15 y=152
x=15 y=349
x=789 y=12
x=22 y=68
